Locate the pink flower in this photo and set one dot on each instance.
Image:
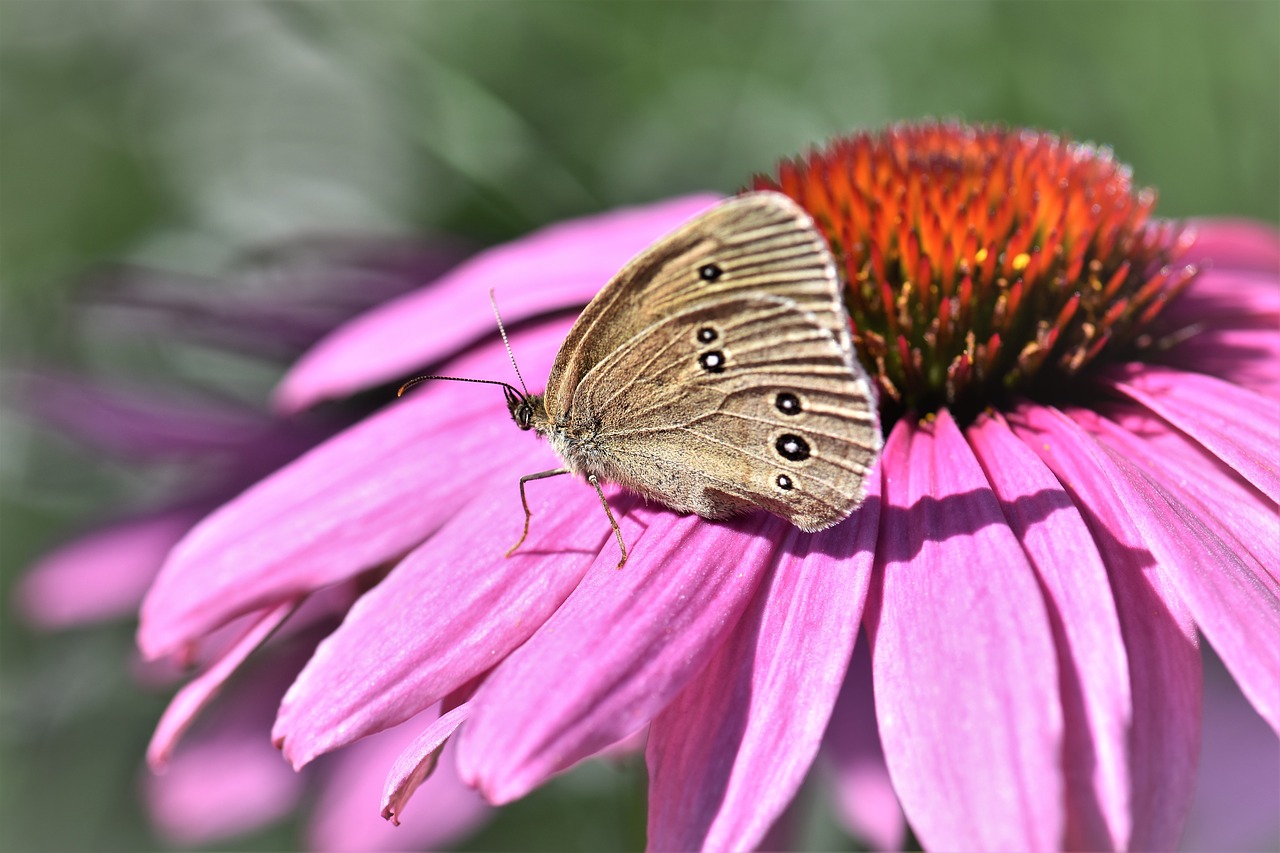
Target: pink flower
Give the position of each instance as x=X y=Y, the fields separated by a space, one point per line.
x=226 y=779
x=1078 y=483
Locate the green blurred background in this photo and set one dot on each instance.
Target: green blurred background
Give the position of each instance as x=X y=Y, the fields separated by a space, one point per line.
x=177 y=133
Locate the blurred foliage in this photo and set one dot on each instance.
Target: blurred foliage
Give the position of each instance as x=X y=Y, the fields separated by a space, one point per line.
x=175 y=134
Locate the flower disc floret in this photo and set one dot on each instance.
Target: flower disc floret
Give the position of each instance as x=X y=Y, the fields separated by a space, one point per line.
x=982 y=261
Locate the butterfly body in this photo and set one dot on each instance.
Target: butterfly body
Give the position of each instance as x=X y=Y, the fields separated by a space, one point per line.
x=715 y=374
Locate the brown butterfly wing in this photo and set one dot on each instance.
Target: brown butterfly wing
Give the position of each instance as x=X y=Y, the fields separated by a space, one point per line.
x=748 y=401
x=759 y=242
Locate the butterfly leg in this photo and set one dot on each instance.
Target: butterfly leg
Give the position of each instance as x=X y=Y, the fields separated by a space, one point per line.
x=617 y=531
x=541 y=475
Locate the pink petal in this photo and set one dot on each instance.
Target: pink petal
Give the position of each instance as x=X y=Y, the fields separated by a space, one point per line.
x=1093 y=676
x=1221 y=496
x=559 y=267
x=865 y=799
x=346 y=815
x=966 y=677
x=1233 y=599
x=1238 y=425
x=730 y=751
x=365 y=496
x=200 y=691
x=1159 y=635
x=102 y=575
x=1235 y=244
x=416 y=764
x=450 y=611
x=618 y=650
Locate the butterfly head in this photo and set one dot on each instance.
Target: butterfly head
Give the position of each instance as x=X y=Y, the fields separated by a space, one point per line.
x=521 y=407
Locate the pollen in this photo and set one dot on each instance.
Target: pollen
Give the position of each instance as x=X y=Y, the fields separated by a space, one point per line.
x=982 y=261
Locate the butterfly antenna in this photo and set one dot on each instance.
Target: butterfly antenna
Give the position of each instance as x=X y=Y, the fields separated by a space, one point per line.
x=420 y=379
x=494 y=302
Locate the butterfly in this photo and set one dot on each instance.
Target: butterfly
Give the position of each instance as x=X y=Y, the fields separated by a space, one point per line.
x=715 y=374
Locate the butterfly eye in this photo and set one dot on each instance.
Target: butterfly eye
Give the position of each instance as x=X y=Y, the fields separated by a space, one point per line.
x=792 y=447
x=706 y=335
x=788 y=403
x=712 y=362
x=710 y=272
x=784 y=483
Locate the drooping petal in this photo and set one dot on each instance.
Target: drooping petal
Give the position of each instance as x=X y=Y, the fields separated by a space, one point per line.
x=418 y=761
x=1159 y=634
x=346 y=818
x=200 y=691
x=865 y=800
x=1092 y=670
x=966 y=679
x=365 y=496
x=1232 y=598
x=450 y=610
x=618 y=650
x=730 y=751
x=560 y=267
x=1238 y=425
x=102 y=575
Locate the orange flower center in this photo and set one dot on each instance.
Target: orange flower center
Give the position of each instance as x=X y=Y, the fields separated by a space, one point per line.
x=982 y=261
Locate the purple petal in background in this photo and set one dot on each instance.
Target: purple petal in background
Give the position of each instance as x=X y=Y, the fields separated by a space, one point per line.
x=279 y=299
x=140 y=424
x=966 y=680
x=1237 y=800
x=102 y=575
x=1092 y=670
x=730 y=751
x=865 y=800
x=226 y=780
x=557 y=268
x=618 y=650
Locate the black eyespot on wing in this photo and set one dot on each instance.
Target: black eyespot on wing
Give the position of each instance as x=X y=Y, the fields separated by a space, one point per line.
x=784 y=483
x=792 y=447
x=788 y=403
x=712 y=362
x=709 y=272
x=707 y=334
